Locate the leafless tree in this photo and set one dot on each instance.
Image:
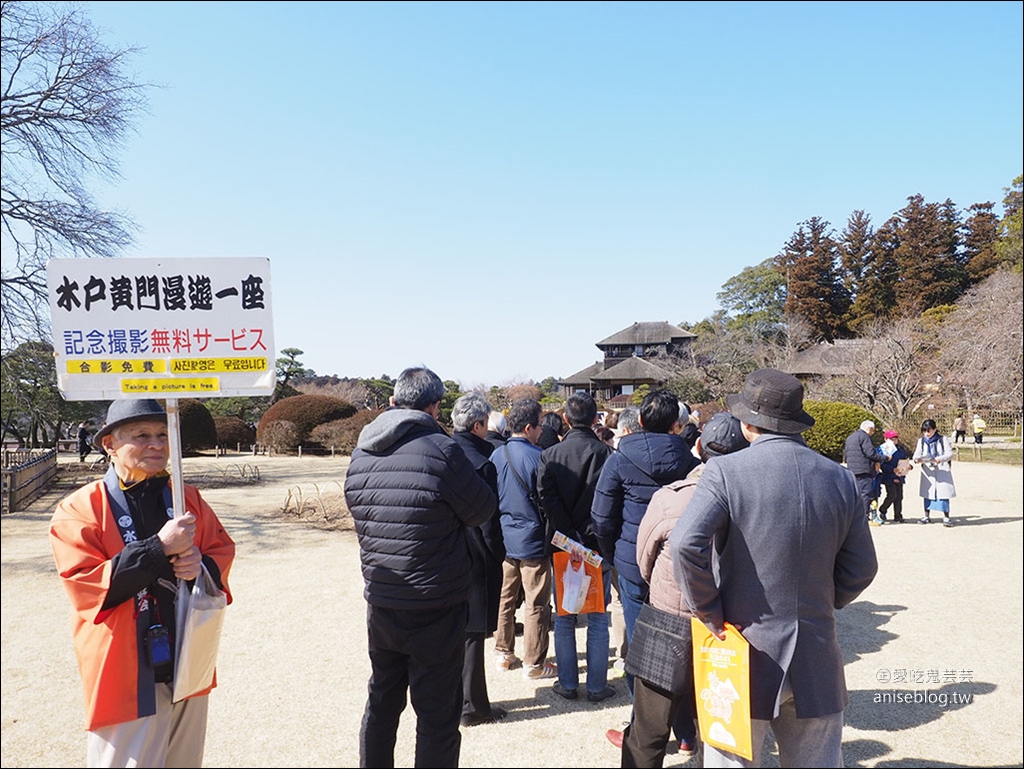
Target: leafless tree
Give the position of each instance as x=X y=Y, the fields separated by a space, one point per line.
x=347 y=389
x=982 y=345
x=522 y=390
x=891 y=371
x=67 y=107
x=884 y=371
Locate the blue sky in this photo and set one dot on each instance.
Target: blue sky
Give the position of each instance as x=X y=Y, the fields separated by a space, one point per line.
x=490 y=188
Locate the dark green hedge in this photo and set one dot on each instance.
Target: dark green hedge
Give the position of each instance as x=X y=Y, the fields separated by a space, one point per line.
x=833 y=423
x=198 y=430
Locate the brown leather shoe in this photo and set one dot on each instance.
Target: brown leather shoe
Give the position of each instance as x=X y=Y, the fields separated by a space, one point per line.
x=614 y=737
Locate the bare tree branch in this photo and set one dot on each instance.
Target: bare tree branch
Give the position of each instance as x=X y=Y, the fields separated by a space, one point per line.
x=66 y=108
x=982 y=343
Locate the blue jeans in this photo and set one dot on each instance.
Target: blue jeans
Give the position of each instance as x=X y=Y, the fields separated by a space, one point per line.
x=597 y=645
x=633 y=596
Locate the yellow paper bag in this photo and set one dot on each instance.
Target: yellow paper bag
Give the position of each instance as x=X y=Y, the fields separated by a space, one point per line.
x=721 y=680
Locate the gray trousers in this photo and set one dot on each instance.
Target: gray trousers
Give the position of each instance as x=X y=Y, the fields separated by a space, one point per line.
x=175 y=736
x=802 y=741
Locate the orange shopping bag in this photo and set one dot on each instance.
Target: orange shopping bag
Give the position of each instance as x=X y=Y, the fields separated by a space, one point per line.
x=721 y=680
x=593 y=585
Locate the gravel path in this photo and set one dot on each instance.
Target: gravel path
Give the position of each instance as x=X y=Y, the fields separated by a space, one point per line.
x=946 y=605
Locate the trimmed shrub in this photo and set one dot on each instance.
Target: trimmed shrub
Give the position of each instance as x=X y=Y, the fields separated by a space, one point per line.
x=196 y=425
x=232 y=431
x=833 y=423
x=343 y=434
x=280 y=434
x=298 y=416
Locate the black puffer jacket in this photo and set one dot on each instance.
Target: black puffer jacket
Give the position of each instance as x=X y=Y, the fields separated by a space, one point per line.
x=412 y=492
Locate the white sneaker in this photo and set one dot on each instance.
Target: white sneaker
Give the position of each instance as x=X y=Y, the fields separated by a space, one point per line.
x=506 y=661
x=536 y=672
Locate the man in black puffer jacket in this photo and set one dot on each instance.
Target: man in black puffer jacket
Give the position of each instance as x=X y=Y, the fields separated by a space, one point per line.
x=412 y=494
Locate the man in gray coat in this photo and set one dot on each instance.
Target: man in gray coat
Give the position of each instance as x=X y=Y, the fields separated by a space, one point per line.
x=793 y=546
x=862 y=459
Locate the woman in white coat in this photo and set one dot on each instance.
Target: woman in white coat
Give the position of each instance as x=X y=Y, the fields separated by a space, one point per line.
x=933 y=454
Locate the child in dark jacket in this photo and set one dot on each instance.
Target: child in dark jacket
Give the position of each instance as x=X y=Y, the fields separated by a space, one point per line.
x=892 y=476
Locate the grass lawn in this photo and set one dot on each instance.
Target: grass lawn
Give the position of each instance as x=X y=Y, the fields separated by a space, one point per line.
x=1000 y=456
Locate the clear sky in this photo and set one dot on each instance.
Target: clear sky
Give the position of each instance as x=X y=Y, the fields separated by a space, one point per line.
x=490 y=188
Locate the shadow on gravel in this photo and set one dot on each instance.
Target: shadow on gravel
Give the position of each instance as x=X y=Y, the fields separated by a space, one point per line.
x=547 y=704
x=860 y=628
x=977 y=520
x=857 y=753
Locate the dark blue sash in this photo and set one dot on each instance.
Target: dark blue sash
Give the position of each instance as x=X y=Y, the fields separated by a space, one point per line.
x=146 y=692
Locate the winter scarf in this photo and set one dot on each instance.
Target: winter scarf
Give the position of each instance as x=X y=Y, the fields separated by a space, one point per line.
x=932 y=445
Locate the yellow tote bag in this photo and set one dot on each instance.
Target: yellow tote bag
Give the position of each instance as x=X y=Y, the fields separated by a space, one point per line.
x=721 y=680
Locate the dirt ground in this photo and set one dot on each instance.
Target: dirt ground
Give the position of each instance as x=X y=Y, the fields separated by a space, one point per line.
x=941 y=622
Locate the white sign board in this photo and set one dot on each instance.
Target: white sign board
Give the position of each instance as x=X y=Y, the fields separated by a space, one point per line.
x=162 y=328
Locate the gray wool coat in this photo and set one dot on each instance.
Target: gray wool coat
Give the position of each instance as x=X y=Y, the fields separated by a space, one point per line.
x=794 y=546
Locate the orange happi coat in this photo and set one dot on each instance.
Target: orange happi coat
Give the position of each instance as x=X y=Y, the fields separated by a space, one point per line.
x=85 y=538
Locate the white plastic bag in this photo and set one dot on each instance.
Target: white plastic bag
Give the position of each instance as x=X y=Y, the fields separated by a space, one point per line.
x=200 y=617
x=575 y=584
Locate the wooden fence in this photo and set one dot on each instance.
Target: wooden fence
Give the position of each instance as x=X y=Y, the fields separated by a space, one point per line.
x=26 y=473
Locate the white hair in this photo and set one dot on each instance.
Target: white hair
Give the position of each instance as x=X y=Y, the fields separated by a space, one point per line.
x=497 y=422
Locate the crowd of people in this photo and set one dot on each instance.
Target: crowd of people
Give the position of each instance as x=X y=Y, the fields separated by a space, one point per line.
x=885 y=467
x=668 y=517
x=676 y=518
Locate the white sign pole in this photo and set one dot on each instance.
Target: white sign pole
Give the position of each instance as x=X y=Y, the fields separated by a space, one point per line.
x=174 y=437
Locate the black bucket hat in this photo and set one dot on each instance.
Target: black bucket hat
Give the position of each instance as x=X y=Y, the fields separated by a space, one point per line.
x=772 y=400
x=123 y=412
